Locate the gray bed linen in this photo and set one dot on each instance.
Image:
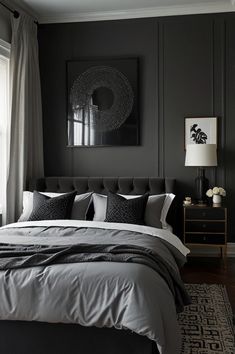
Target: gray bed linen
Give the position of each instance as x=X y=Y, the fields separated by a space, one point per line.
x=22 y=256
x=102 y=294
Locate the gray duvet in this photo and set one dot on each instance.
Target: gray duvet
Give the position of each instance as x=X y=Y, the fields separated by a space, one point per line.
x=88 y=275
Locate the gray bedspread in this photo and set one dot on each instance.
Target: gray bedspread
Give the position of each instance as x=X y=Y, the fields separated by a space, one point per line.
x=21 y=256
x=94 y=277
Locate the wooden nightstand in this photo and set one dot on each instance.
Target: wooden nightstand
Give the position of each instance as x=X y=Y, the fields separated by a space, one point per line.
x=206 y=226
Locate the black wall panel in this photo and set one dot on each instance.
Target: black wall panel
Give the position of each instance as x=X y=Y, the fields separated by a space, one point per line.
x=187 y=68
x=59 y=43
x=188 y=81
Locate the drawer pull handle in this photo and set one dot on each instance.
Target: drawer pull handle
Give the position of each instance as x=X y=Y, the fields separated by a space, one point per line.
x=204 y=226
x=204 y=213
x=204 y=238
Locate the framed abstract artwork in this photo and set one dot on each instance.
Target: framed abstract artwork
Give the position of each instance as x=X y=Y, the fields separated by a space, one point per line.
x=102 y=102
x=201 y=130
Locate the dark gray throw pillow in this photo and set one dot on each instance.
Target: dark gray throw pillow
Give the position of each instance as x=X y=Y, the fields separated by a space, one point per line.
x=46 y=208
x=153 y=210
x=130 y=211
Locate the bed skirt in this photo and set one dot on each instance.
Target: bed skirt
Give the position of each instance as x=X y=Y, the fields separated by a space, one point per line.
x=19 y=337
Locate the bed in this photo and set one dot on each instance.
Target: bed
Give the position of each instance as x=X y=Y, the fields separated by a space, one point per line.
x=131 y=320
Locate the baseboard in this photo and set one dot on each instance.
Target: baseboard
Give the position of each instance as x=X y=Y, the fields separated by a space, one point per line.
x=213 y=251
x=231 y=249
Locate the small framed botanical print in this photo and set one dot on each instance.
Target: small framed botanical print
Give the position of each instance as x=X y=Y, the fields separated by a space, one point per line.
x=201 y=130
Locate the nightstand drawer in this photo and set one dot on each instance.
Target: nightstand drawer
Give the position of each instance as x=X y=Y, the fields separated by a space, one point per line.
x=204 y=226
x=205 y=213
x=205 y=239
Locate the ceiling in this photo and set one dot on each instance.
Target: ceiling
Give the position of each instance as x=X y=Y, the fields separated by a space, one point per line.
x=49 y=11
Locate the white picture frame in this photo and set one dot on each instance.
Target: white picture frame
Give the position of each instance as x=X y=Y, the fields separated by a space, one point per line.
x=200 y=130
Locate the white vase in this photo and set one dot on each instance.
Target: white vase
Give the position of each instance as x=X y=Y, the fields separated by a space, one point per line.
x=217 y=199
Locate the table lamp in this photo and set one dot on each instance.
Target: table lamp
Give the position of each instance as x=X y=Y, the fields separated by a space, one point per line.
x=201 y=155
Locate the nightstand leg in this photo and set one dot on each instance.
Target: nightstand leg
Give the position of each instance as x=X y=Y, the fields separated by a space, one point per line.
x=223 y=251
x=224 y=256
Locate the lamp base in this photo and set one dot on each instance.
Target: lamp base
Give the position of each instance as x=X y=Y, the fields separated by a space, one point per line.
x=201 y=186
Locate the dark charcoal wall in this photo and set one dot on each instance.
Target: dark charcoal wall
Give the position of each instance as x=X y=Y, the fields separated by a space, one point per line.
x=5 y=25
x=187 y=68
x=59 y=43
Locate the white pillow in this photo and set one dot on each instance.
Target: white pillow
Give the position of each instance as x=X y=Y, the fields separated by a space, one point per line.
x=151 y=218
x=100 y=206
x=27 y=206
x=80 y=205
x=166 y=206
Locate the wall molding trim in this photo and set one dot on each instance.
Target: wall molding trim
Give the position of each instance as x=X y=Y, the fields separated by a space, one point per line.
x=157 y=11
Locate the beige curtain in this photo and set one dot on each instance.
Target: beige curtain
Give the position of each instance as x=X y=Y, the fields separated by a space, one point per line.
x=25 y=158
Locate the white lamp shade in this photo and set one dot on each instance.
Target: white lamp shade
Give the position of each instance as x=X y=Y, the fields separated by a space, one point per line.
x=201 y=155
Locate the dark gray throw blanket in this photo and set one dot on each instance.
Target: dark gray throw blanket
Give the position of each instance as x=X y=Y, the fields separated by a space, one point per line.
x=23 y=256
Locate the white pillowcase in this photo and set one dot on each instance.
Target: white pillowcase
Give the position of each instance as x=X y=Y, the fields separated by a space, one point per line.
x=166 y=206
x=80 y=205
x=100 y=207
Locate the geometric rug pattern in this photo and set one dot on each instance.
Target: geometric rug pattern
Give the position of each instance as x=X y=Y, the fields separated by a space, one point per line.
x=207 y=324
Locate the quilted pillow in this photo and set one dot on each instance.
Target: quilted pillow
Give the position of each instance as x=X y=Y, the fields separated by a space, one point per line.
x=79 y=210
x=155 y=212
x=157 y=209
x=122 y=210
x=46 y=208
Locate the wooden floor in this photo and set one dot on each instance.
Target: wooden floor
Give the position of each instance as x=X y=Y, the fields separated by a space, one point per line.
x=211 y=270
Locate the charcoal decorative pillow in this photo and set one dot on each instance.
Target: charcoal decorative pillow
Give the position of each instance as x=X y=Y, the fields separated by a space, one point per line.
x=130 y=211
x=46 y=208
x=80 y=206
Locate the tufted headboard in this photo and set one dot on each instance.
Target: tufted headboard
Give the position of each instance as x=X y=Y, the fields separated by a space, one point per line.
x=122 y=185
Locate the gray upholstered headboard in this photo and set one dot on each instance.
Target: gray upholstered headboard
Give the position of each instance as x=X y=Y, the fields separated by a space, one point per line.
x=122 y=185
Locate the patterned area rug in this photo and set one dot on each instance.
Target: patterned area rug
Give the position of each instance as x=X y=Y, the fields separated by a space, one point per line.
x=207 y=324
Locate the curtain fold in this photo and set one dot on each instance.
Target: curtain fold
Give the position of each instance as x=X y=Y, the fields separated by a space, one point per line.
x=25 y=157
